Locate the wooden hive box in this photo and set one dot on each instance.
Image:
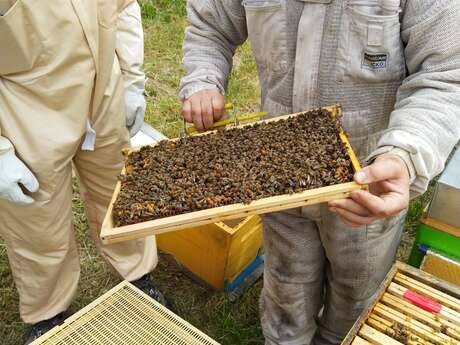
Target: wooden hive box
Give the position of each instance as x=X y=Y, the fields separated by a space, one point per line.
x=112 y=234
x=215 y=253
x=445 y=206
x=434 y=236
x=412 y=307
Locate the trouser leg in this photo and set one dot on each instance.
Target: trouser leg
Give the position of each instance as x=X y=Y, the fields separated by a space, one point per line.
x=41 y=248
x=293 y=278
x=98 y=171
x=358 y=261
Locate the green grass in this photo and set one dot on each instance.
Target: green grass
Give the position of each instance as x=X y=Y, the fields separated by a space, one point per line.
x=164 y=10
x=229 y=323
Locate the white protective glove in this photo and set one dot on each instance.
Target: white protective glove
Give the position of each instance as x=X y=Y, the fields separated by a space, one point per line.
x=12 y=173
x=135 y=109
x=130 y=52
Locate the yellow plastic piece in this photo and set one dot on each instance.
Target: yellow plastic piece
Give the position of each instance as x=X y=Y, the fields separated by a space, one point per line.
x=242 y=118
x=215 y=253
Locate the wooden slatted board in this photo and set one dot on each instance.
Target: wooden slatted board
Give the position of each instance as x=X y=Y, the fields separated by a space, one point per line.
x=394 y=319
x=112 y=234
x=124 y=316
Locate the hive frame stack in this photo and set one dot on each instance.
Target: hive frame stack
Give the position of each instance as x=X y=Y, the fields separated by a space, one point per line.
x=411 y=307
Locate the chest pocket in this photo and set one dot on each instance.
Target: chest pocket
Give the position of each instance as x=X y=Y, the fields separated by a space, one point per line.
x=370 y=47
x=22 y=46
x=266 y=22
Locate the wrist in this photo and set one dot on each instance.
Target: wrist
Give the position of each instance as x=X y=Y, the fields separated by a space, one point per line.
x=400 y=161
x=400 y=153
x=189 y=91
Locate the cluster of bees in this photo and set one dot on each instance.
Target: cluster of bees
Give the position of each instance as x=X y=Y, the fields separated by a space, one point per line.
x=237 y=165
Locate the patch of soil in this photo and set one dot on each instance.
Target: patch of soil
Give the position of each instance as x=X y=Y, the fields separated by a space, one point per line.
x=236 y=165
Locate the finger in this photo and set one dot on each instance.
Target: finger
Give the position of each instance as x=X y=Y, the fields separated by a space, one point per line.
x=138 y=122
x=350 y=224
x=350 y=205
x=207 y=113
x=28 y=179
x=218 y=107
x=196 y=115
x=386 y=206
x=353 y=218
x=129 y=121
x=224 y=115
x=16 y=195
x=187 y=111
x=380 y=170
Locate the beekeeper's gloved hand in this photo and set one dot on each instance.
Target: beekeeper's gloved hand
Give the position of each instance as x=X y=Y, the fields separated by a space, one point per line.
x=135 y=109
x=12 y=173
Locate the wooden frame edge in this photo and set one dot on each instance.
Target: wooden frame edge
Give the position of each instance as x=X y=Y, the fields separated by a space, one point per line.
x=441 y=226
x=197 y=218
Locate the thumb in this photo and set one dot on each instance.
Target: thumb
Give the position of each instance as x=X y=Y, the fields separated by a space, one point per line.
x=28 y=179
x=16 y=195
x=137 y=123
x=379 y=170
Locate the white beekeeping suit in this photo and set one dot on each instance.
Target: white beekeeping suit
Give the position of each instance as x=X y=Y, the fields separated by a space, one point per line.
x=66 y=68
x=395 y=68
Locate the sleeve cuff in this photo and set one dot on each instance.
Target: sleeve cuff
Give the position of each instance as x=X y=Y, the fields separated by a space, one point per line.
x=401 y=153
x=188 y=91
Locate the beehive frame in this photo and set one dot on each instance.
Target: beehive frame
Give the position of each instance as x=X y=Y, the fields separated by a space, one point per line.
x=375 y=326
x=124 y=316
x=112 y=234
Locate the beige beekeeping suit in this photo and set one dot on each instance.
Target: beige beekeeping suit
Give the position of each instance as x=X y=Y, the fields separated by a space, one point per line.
x=59 y=76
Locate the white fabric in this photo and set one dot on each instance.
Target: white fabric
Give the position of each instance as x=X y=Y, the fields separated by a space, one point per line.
x=5 y=145
x=90 y=138
x=130 y=52
x=147 y=136
x=135 y=109
x=12 y=173
x=305 y=90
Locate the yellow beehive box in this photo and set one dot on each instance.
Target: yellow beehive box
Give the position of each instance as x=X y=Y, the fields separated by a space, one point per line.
x=215 y=253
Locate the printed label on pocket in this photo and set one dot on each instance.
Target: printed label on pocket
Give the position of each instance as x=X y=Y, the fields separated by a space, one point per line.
x=375 y=61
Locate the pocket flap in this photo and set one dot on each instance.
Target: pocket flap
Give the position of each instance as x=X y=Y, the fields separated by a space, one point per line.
x=21 y=45
x=261 y=5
